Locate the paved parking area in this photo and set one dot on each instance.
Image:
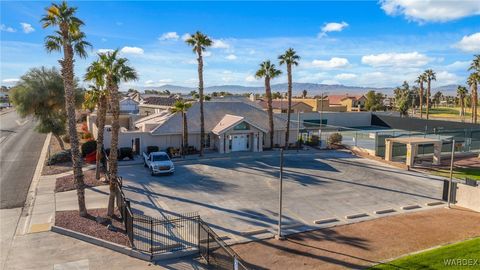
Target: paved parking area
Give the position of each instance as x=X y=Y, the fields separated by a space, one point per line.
x=238 y=196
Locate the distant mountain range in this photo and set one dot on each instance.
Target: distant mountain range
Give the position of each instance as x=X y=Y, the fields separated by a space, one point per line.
x=312 y=89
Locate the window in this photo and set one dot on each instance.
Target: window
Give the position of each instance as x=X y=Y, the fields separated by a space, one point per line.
x=207 y=141
x=242 y=126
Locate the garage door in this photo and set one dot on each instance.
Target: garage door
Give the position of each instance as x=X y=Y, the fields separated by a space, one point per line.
x=239 y=143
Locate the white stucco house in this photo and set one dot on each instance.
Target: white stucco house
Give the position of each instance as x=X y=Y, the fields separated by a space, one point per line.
x=229 y=127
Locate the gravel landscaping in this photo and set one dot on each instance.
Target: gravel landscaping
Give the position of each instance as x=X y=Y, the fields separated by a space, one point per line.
x=66 y=183
x=88 y=225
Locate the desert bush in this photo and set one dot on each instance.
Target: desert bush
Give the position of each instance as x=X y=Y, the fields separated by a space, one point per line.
x=152 y=148
x=60 y=157
x=89 y=147
x=125 y=152
x=335 y=139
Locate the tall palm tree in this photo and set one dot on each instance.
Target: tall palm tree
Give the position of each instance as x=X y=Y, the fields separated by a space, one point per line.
x=268 y=71
x=430 y=76
x=71 y=40
x=115 y=71
x=462 y=94
x=97 y=97
x=182 y=107
x=475 y=67
x=289 y=58
x=420 y=80
x=200 y=42
x=473 y=81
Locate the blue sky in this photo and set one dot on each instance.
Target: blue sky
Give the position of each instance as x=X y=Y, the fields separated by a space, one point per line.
x=361 y=43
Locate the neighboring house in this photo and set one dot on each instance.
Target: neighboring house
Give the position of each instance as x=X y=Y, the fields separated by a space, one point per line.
x=229 y=127
x=129 y=106
x=281 y=106
x=155 y=104
x=318 y=104
x=351 y=102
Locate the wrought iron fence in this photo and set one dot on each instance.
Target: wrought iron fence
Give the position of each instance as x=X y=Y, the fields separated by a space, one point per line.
x=215 y=251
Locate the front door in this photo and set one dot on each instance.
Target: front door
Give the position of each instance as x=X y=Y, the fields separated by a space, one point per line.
x=240 y=143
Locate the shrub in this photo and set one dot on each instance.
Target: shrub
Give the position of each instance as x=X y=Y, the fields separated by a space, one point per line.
x=87 y=136
x=125 y=152
x=89 y=147
x=313 y=141
x=60 y=157
x=152 y=148
x=335 y=139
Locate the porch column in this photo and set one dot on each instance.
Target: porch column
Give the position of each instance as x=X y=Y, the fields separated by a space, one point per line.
x=437 y=152
x=410 y=155
x=260 y=142
x=227 y=143
x=221 y=145
x=255 y=142
x=388 y=150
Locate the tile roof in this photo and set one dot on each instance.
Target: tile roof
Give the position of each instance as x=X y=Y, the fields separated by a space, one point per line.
x=335 y=99
x=162 y=101
x=214 y=113
x=280 y=104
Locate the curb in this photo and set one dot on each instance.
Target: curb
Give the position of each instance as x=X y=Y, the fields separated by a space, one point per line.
x=122 y=249
x=25 y=216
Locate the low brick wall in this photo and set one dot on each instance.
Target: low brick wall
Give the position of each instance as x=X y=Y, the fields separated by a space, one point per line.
x=468 y=197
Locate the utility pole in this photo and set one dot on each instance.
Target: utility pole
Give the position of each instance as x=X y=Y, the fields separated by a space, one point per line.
x=451 y=174
x=298 y=130
x=280 y=198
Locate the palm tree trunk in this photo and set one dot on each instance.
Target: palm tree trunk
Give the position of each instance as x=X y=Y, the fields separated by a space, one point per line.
x=421 y=100
x=475 y=104
x=289 y=109
x=200 y=94
x=113 y=158
x=268 y=92
x=428 y=97
x=185 y=133
x=102 y=111
x=60 y=142
x=68 y=82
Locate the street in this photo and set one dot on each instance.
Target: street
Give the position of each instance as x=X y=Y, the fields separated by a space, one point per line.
x=20 y=148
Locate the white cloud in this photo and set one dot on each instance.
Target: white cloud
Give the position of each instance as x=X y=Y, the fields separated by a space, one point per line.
x=163 y=81
x=27 y=28
x=445 y=77
x=250 y=78
x=413 y=59
x=169 y=36
x=157 y=83
x=231 y=57
x=186 y=36
x=5 y=28
x=131 y=50
x=149 y=83
x=10 y=81
x=332 y=27
x=345 y=76
x=207 y=53
x=331 y=82
x=104 y=50
x=103 y=39
x=470 y=43
x=334 y=62
x=431 y=10
x=220 y=44
x=458 y=65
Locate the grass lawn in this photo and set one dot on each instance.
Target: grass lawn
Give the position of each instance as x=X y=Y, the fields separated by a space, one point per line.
x=439 y=258
x=459 y=173
x=448 y=112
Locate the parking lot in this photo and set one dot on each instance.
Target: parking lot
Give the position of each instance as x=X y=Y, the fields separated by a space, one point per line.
x=238 y=196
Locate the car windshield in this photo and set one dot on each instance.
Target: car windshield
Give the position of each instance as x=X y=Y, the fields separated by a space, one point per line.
x=160 y=157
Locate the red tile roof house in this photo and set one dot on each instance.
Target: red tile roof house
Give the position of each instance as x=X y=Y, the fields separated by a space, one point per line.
x=229 y=127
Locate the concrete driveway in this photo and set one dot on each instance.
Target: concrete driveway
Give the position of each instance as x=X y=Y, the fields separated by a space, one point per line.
x=238 y=196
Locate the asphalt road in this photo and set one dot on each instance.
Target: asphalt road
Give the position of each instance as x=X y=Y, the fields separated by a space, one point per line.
x=20 y=148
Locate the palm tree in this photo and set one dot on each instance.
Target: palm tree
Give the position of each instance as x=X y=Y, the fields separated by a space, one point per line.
x=289 y=58
x=462 y=94
x=71 y=40
x=182 y=107
x=304 y=93
x=200 y=42
x=420 y=80
x=473 y=81
x=430 y=76
x=475 y=67
x=268 y=71
x=114 y=70
x=97 y=97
